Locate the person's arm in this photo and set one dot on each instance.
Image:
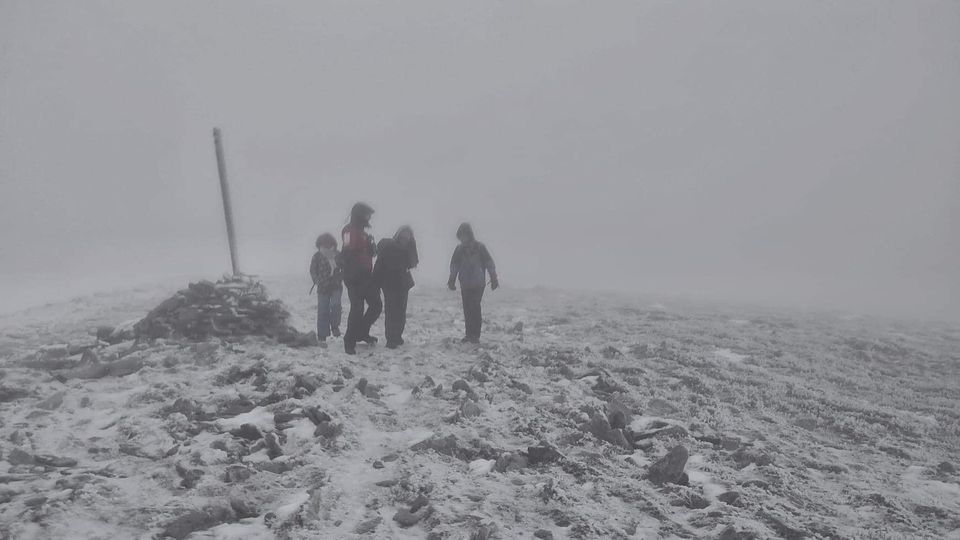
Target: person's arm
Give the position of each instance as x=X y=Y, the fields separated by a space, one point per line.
x=490 y=266
x=414 y=256
x=454 y=268
x=378 y=271
x=314 y=264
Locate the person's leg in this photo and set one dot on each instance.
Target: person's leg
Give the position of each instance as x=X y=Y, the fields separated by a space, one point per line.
x=336 y=310
x=355 y=317
x=323 y=316
x=465 y=301
x=390 y=305
x=478 y=314
x=402 y=298
x=374 y=309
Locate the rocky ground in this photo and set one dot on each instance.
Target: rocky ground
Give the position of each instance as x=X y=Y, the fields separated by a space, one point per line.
x=578 y=417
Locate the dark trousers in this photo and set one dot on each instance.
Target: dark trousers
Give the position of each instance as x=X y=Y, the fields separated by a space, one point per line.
x=395 y=314
x=472 y=312
x=361 y=292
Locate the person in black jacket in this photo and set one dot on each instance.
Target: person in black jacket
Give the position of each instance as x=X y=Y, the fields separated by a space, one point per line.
x=395 y=258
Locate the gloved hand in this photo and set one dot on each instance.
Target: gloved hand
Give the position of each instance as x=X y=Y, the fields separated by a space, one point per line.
x=452 y=285
x=494 y=283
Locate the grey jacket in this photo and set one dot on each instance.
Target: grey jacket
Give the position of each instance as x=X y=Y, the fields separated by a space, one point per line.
x=470 y=262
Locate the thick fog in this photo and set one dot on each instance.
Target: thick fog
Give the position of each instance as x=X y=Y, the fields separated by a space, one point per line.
x=803 y=153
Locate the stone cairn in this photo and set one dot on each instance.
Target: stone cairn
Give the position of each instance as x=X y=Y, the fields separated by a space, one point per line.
x=231 y=307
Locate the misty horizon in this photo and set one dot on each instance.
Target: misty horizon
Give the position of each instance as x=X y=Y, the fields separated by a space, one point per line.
x=792 y=154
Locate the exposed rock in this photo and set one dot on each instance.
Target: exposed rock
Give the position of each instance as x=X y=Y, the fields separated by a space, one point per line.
x=189 y=477
x=249 y=432
x=523 y=387
x=729 y=443
x=661 y=407
x=346 y=372
x=606 y=386
x=461 y=385
x=316 y=415
x=600 y=428
x=692 y=501
x=368 y=526
x=234 y=407
x=407 y=518
x=187 y=407
x=119 y=368
x=543 y=534
x=669 y=469
x=273 y=445
x=90 y=356
x=198 y=520
x=243 y=508
x=731 y=497
x=236 y=306
x=236 y=473
x=275 y=467
x=328 y=430
x=10 y=394
x=542 y=453
x=19 y=457
x=510 y=461
x=610 y=352
x=378 y=464
x=730 y=533
x=669 y=431
x=105 y=333
x=751 y=455
x=55 y=461
x=470 y=409
x=419 y=502
x=35 y=502
x=946 y=467
x=618 y=414
x=485 y=532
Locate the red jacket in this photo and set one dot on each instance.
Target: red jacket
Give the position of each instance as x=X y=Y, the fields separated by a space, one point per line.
x=358 y=252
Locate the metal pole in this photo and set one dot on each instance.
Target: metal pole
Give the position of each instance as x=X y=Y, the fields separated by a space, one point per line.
x=227 y=208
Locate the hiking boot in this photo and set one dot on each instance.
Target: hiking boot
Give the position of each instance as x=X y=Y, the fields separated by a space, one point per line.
x=466 y=339
x=400 y=341
x=392 y=345
x=350 y=348
x=335 y=331
x=369 y=340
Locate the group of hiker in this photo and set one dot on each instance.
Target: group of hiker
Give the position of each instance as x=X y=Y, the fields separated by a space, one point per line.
x=368 y=269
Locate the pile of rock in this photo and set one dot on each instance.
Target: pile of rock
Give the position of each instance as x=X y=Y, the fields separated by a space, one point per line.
x=231 y=307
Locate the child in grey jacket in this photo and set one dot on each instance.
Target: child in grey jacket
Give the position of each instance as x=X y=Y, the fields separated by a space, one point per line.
x=326 y=270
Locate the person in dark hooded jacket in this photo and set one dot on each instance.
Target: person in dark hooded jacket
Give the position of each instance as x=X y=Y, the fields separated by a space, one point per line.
x=395 y=258
x=470 y=263
x=358 y=253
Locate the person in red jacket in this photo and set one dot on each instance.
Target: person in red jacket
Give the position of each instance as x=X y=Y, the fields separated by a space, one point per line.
x=358 y=252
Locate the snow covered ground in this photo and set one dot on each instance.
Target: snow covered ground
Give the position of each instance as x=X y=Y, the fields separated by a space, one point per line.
x=795 y=425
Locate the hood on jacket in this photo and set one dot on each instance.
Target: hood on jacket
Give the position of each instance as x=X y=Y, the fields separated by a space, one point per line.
x=465 y=233
x=385 y=244
x=360 y=214
x=326 y=240
x=405 y=239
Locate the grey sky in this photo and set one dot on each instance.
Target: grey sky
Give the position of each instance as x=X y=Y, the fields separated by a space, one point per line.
x=787 y=152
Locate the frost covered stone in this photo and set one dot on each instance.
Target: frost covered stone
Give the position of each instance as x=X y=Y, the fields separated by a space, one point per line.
x=669 y=469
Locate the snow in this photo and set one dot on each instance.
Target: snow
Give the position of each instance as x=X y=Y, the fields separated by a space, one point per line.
x=855 y=429
x=730 y=356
